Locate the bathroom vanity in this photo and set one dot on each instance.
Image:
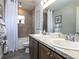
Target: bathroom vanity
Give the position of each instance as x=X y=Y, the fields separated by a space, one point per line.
x=41 y=48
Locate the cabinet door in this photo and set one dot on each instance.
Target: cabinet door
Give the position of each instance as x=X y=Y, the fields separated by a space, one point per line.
x=33 y=46
x=44 y=52
x=52 y=55
x=30 y=48
x=57 y=56
x=35 y=49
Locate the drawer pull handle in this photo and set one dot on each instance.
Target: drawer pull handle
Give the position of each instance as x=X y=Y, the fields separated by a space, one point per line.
x=48 y=53
x=51 y=56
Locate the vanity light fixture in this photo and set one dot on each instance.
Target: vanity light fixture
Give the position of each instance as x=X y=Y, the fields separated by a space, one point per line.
x=20 y=4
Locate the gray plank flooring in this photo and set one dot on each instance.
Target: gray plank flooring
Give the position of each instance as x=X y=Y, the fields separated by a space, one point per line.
x=20 y=54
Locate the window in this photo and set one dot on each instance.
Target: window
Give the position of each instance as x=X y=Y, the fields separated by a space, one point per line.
x=21 y=19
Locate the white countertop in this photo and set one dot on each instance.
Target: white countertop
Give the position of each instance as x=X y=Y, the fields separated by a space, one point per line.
x=46 y=39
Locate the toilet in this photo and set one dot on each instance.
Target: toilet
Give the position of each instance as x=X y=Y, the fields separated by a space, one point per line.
x=26 y=46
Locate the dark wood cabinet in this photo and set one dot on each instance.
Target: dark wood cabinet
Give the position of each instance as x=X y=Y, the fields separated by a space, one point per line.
x=35 y=49
x=30 y=48
x=43 y=52
x=56 y=56
x=40 y=51
x=33 y=45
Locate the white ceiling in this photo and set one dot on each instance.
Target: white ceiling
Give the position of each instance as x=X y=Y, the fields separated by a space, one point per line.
x=58 y=4
x=29 y=4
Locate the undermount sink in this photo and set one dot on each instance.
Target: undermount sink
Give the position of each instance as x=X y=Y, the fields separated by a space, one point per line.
x=65 y=44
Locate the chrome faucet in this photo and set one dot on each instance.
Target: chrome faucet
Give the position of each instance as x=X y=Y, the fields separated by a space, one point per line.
x=70 y=37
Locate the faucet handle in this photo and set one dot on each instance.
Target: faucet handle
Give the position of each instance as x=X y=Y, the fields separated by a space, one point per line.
x=70 y=38
x=73 y=38
x=66 y=37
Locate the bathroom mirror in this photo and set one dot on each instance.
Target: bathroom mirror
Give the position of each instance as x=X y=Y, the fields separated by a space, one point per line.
x=69 y=11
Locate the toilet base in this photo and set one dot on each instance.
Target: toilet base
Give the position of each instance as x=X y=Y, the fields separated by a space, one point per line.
x=27 y=50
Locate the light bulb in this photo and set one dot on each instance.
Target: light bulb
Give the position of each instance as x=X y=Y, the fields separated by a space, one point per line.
x=20 y=6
